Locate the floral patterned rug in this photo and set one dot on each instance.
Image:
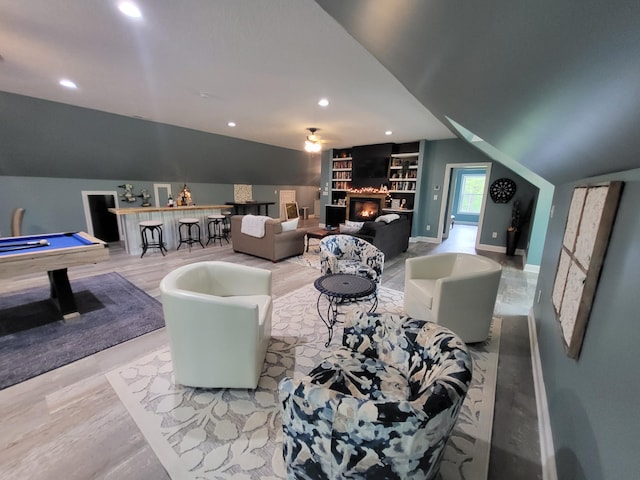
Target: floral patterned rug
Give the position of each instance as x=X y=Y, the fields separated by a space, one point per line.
x=237 y=434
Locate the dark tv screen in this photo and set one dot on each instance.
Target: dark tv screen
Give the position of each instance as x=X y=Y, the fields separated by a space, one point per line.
x=370 y=166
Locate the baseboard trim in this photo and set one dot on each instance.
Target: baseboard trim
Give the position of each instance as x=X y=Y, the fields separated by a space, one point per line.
x=547 y=452
x=498 y=249
x=532 y=268
x=424 y=239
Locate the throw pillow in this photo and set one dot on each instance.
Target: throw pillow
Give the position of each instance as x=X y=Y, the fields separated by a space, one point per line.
x=388 y=218
x=290 y=225
x=350 y=227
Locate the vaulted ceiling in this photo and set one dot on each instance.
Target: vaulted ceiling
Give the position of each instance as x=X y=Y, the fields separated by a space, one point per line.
x=203 y=63
x=552 y=84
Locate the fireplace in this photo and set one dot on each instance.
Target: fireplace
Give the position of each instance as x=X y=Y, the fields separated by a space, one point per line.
x=364 y=206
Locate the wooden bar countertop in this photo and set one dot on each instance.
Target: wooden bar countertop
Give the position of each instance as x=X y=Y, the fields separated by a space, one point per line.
x=125 y=211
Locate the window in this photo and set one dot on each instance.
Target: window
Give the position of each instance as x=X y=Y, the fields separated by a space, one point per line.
x=472 y=190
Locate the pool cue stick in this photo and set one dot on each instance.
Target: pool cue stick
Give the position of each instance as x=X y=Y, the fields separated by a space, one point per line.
x=39 y=243
x=15 y=249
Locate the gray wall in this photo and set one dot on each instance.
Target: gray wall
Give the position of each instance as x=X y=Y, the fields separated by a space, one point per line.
x=552 y=84
x=594 y=402
x=48 y=139
x=55 y=204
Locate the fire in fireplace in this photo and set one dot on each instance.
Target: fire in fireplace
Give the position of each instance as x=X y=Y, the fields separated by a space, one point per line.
x=362 y=209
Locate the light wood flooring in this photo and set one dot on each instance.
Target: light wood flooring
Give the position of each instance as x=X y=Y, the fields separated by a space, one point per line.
x=69 y=423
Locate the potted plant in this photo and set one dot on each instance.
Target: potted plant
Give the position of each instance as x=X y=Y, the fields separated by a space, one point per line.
x=518 y=220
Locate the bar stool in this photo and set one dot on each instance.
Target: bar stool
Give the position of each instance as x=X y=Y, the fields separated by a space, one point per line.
x=188 y=236
x=215 y=229
x=226 y=225
x=151 y=227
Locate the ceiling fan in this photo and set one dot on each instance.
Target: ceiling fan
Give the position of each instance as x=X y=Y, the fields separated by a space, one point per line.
x=312 y=144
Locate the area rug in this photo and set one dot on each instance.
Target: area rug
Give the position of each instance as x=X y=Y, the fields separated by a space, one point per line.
x=237 y=434
x=33 y=341
x=307 y=259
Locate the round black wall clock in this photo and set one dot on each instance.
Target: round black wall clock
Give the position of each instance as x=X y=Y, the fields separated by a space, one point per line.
x=502 y=190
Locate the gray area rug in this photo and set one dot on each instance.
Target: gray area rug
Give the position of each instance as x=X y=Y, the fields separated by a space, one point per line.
x=32 y=342
x=237 y=434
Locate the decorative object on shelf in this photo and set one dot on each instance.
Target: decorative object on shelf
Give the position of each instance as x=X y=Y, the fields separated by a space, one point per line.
x=502 y=190
x=128 y=195
x=312 y=143
x=405 y=168
x=590 y=220
x=184 y=199
x=144 y=195
x=242 y=193
x=383 y=189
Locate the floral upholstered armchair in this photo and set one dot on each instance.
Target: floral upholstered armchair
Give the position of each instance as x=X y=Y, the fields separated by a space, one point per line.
x=381 y=406
x=347 y=254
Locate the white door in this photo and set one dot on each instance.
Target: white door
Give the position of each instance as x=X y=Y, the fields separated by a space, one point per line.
x=286 y=196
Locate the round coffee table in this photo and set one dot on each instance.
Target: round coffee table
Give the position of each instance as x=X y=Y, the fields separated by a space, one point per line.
x=340 y=288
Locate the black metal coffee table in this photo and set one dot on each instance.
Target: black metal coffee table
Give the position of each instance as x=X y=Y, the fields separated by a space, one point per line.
x=340 y=288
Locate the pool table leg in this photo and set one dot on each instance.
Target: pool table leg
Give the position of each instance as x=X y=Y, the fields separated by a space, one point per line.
x=62 y=293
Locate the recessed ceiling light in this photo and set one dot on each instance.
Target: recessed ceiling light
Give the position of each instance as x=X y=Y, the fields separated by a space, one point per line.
x=130 y=9
x=388 y=132
x=231 y=124
x=67 y=83
x=323 y=102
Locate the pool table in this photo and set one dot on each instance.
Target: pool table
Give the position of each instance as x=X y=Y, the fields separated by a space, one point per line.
x=53 y=253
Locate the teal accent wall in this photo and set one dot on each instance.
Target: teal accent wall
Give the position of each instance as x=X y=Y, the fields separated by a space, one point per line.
x=325 y=183
x=497 y=217
x=593 y=401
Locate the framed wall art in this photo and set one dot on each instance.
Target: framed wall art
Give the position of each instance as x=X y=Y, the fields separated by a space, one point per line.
x=291 y=210
x=586 y=236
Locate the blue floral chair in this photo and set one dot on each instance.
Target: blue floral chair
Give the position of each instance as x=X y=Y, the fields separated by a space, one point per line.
x=347 y=254
x=381 y=406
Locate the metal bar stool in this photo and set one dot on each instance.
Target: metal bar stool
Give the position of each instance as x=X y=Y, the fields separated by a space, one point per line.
x=215 y=229
x=151 y=227
x=226 y=224
x=188 y=236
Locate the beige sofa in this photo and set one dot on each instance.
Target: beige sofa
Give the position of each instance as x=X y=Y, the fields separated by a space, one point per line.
x=274 y=246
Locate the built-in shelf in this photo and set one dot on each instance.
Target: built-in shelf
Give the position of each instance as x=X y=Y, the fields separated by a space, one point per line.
x=401 y=177
x=341 y=174
x=403 y=173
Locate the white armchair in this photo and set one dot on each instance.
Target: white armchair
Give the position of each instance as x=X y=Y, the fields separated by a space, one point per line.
x=456 y=290
x=218 y=318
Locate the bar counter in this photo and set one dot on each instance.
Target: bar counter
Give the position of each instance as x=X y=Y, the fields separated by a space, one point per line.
x=130 y=218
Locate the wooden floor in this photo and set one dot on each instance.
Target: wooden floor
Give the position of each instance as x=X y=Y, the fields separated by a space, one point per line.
x=69 y=423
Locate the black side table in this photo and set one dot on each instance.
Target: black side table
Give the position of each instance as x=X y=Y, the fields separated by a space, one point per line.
x=340 y=288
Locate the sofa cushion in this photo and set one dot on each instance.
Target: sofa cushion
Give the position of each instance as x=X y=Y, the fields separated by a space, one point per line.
x=388 y=218
x=356 y=267
x=290 y=225
x=353 y=373
x=368 y=228
x=350 y=227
